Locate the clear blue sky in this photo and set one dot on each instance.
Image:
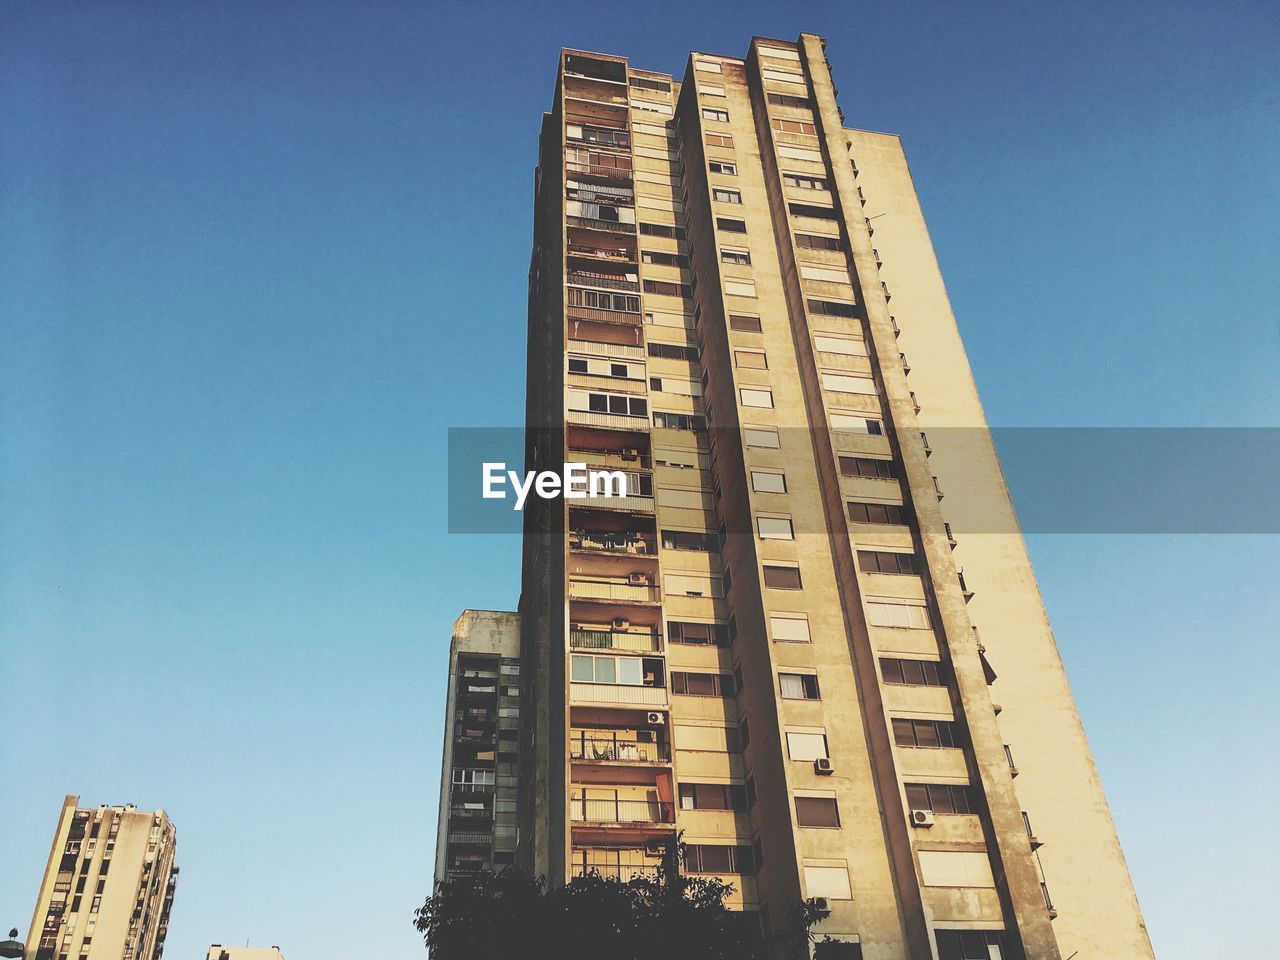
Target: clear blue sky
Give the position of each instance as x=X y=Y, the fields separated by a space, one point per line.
x=235 y=244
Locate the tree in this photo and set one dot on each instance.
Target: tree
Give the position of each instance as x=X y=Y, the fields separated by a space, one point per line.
x=669 y=916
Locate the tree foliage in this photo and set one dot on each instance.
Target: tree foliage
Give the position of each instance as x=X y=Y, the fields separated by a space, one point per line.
x=669 y=916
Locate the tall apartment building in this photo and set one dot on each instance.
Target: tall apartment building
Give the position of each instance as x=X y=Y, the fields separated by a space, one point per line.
x=770 y=643
x=108 y=886
x=477 y=820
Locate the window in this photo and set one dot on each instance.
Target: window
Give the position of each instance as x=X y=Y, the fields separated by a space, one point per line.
x=786 y=125
x=955 y=868
x=707 y=66
x=740 y=288
x=613 y=403
x=941 y=798
x=711 y=90
x=730 y=225
x=762 y=437
x=712 y=796
x=662 y=230
x=882 y=561
x=885 y=513
x=628 y=671
x=768 y=481
x=809 y=241
x=786 y=100
x=678 y=421
x=886 y=613
x=750 y=359
x=740 y=258
x=724 y=195
x=830 y=308
x=845 y=346
x=703 y=684
x=806 y=746
x=710 y=634
x=775 y=528
x=715 y=858
x=827 y=881
x=843 y=383
x=602 y=300
x=789 y=627
x=970 y=945
x=690 y=540
x=812 y=210
x=817 y=812
x=644 y=83
x=723 y=167
x=916 y=673
x=673 y=351
x=799 y=686
x=756 y=397
x=925 y=733
x=664 y=259
x=719 y=140
x=782 y=578
x=666 y=288
x=805 y=182
x=711 y=113
x=868 y=468
x=824 y=274
x=743 y=323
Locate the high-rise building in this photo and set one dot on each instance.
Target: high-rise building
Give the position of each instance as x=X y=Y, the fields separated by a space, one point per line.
x=219 y=952
x=770 y=642
x=477 y=821
x=108 y=886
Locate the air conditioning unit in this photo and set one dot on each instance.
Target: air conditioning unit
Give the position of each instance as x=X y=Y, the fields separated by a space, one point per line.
x=824 y=766
x=646 y=736
x=630 y=454
x=638 y=578
x=922 y=818
x=821 y=906
x=656 y=717
x=621 y=623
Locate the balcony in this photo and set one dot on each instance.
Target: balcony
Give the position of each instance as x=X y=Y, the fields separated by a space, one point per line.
x=614 y=871
x=596 y=252
x=595 y=348
x=599 y=136
x=607 y=281
x=600 y=165
x=621 y=811
x=614 y=590
x=615 y=640
x=613 y=421
x=612 y=746
x=470 y=838
x=608 y=226
x=617 y=693
x=629 y=318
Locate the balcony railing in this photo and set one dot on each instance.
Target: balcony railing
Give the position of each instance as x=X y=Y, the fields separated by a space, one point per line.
x=637 y=503
x=601 y=253
x=616 y=871
x=606 y=281
x=618 y=693
x=621 y=351
x=605 y=316
x=621 y=811
x=471 y=838
x=598 y=169
x=610 y=542
x=614 y=640
x=609 y=226
x=608 y=745
x=601 y=136
x=616 y=421
x=612 y=590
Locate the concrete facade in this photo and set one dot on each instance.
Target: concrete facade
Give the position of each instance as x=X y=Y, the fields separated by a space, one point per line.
x=478 y=796
x=108 y=887
x=769 y=643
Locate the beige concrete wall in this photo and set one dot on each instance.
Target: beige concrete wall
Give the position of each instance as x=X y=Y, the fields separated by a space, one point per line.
x=1058 y=785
